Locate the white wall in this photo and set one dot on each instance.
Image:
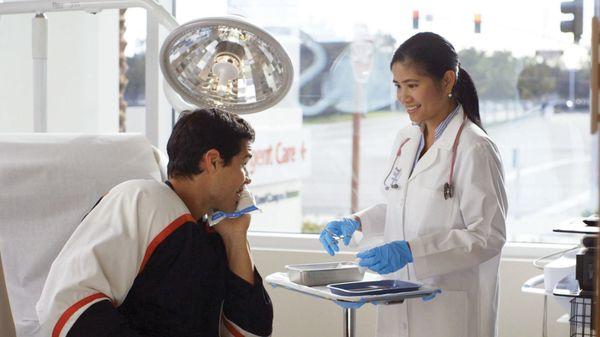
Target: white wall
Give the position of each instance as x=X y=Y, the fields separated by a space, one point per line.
x=16 y=106
x=297 y=315
x=82 y=72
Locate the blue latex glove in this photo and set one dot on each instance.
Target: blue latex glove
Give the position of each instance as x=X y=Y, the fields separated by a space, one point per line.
x=387 y=258
x=336 y=229
x=349 y=305
x=432 y=296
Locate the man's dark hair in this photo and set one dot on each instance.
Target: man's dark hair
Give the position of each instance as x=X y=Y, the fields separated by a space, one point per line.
x=200 y=130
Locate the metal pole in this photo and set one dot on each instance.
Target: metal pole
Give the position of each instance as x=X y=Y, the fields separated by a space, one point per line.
x=349 y=322
x=355 y=160
x=572 y=88
x=517 y=168
x=44 y=6
x=361 y=55
x=39 y=48
x=152 y=79
x=597 y=135
x=545 y=317
x=356 y=149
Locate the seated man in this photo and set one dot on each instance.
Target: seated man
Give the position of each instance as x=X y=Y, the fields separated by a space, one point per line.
x=143 y=262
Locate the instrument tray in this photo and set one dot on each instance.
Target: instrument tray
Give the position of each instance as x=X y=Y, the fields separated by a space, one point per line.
x=372 y=287
x=316 y=274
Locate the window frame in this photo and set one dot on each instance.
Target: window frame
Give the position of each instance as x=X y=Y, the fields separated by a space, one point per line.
x=310 y=242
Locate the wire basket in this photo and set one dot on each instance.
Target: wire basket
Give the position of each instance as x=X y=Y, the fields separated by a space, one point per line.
x=582 y=317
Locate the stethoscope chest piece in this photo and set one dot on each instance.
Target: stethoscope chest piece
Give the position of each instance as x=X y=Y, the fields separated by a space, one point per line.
x=448 y=191
x=393 y=186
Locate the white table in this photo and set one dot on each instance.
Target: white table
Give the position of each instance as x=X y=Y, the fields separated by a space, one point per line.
x=349 y=304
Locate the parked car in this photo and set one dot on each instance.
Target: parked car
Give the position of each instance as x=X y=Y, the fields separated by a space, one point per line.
x=579 y=105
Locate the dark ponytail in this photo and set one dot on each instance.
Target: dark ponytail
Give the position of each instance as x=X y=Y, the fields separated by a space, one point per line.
x=466 y=94
x=434 y=55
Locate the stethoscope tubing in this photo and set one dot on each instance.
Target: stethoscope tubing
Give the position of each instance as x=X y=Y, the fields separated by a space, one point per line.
x=448 y=186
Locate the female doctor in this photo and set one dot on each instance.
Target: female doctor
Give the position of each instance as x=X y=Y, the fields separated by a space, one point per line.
x=444 y=220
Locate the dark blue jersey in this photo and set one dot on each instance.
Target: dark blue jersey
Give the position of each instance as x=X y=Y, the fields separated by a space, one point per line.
x=140 y=265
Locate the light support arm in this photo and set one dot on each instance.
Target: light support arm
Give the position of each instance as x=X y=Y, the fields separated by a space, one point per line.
x=39 y=52
x=227 y=62
x=40 y=40
x=92 y=6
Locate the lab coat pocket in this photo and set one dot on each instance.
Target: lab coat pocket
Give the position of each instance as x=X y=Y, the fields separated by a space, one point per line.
x=428 y=209
x=446 y=315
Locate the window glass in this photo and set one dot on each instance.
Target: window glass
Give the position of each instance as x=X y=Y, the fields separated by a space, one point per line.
x=135 y=53
x=532 y=80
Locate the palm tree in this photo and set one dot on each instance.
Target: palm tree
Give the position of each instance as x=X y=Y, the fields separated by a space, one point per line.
x=122 y=71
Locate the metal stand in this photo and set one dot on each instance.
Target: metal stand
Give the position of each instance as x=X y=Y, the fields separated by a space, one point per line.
x=349 y=314
x=39 y=53
x=349 y=327
x=545 y=317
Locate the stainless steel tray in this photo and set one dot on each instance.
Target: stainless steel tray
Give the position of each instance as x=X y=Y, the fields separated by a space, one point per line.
x=315 y=274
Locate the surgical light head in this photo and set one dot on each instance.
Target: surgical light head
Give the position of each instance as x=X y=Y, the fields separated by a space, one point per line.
x=226 y=63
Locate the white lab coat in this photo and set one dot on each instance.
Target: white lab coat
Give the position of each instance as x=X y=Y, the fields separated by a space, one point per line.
x=456 y=243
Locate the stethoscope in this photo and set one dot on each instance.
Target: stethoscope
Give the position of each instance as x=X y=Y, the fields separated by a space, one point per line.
x=448 y=186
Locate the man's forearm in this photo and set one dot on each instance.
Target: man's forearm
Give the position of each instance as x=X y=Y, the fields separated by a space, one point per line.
x=100 y=320
x=239 y=258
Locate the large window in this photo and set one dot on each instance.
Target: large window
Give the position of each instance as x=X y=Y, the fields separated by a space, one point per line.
x=533 y=85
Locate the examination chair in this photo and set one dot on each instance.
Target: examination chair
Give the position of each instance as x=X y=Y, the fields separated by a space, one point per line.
x=7 y=327
x=49 y=182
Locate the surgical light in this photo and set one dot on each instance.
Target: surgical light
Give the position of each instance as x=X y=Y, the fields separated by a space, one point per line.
x=225 y=63
x=213 y=62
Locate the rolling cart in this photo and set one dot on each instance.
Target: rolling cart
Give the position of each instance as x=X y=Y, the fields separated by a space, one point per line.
x=349 y=303
x=582 y=313
x=581 y=286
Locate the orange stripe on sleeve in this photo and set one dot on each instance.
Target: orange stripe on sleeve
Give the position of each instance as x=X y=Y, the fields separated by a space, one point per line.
x=232 y=329
x=64 y=318
x=163 y=235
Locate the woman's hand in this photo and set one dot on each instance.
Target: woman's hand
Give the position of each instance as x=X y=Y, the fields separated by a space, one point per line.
x=386 y=259
x=335 y=230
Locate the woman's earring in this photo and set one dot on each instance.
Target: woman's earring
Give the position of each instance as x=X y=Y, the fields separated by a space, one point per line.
x=450 y=95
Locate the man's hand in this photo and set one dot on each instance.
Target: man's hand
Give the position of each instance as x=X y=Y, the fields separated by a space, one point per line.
x=234 y=228
x=234 y=232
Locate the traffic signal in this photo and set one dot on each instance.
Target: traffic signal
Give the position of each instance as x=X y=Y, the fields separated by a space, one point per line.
x=415 y=19
x=477 y=21
x=575 y=25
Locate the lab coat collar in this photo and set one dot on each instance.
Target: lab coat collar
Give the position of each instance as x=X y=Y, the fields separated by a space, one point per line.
x=446 y=140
